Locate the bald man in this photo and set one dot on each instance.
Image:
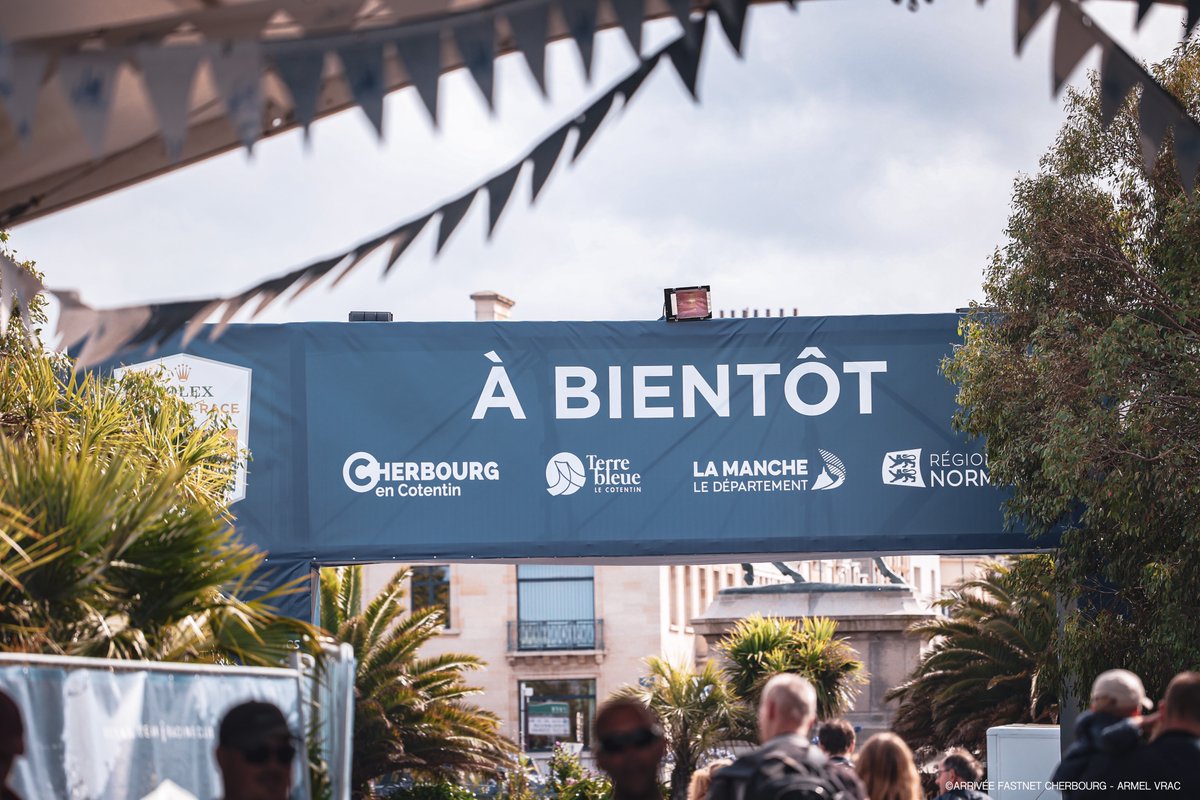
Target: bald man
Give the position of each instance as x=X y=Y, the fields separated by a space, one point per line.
x=786 y=763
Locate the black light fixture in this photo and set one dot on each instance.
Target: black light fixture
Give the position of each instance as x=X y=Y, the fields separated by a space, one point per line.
x=687 y=303
x=370 y=316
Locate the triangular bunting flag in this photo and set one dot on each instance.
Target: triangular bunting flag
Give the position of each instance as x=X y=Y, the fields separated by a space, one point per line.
x=20 y=285
x=402 y=237
x=1143 y=9
x=1156 y=112
x=1028 y=14
x=629 y=87
x=314 y=272
x=687 y=58
x=192 y=329
x=237 y=68
x=589 y=123
x=630 y=15
x=529 y=32
x=477 y=45
x=20 y=93
x=165 y=319
x=362 y=251
x=300 y=69
x=422 y=57
x=452 y=214
x=75 y=318
x=732 y=14
x=110 y=331
x=544 y=157
x=1187 y=153
x=167 y=76
x=580 y=16
x=1118 y=75
x=87 y=81
x=499 y=189
x=1071 y=42
x=364 y=76
x=682 y=10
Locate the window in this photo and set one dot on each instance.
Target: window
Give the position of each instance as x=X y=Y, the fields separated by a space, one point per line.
x=431 y=589
x=556 y=608
x=556 y=711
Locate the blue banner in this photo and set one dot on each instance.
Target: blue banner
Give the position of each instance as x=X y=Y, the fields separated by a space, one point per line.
x=699 y=441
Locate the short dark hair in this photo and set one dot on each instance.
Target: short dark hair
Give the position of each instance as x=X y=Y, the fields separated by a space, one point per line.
x=963 y=764
x=1183 y=696
x=247 y=724
x=836 y=736
x=618 y=704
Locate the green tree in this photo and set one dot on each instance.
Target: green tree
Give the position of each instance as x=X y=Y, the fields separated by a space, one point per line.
x=115 y=537
x=759 y=647
x=410 y=713
x=698 y=711
x=991 y=660
x=1082 y=370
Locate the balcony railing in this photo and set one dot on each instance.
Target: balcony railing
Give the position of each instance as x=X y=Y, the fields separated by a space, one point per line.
x=556 y=634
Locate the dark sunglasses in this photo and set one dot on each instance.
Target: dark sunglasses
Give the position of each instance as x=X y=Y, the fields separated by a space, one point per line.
x=260 y=755
x=620 y=742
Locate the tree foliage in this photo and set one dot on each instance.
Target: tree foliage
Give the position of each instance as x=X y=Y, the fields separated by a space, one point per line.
x=1083 y=373
x=698 y=710
x=759 y=647
x=115 y=537
x=410 y=713
x=991 y=660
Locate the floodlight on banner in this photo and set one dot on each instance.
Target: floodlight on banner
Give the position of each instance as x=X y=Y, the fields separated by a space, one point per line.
x=687 y=303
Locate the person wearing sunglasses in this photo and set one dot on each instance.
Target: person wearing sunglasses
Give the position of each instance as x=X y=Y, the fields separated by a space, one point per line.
x=629 y=747
x=255 y=751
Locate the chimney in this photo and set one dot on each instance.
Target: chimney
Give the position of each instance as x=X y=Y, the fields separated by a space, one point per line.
x=491 y=306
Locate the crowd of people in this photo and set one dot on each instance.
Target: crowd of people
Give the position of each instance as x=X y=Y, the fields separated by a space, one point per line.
x=1119 y=751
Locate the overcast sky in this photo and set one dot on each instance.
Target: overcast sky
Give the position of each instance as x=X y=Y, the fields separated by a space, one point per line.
x=860 y=160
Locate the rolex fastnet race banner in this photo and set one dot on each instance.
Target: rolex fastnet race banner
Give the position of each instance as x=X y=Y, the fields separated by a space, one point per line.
x=599 y=440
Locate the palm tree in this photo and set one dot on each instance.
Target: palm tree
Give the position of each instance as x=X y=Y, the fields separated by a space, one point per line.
x=698 y=712
x=759 y=647
x=409 y=713
x=114 y=527
x=992 y=660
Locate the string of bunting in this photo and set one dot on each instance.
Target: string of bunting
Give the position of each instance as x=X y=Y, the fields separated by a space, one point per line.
x=105 y=332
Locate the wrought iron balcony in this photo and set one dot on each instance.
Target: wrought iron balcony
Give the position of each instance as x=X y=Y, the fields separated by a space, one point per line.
x=556 y=634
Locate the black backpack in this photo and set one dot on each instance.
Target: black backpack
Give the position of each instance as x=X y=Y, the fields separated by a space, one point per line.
x=777 y=775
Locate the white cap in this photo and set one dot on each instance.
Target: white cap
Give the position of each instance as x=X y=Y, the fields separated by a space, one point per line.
x=1123 y=687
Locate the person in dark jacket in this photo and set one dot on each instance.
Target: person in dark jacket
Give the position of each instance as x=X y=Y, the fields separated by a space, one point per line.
x=1109 y=730
x=958 y=776
x=1168 y=767
x=12 y=743
x=836 y=737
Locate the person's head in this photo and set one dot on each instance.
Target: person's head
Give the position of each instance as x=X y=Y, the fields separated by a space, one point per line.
x=788 y=705
x=629 y=745
x=886 y=768
x=957 y=767
x=836 y=737
x=12 y=735
x=255 y=751
x=1181 y=706
x=1120 y=693
x=702 y=778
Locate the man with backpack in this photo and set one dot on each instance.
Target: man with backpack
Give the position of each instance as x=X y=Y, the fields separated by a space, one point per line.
x=786 y=766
